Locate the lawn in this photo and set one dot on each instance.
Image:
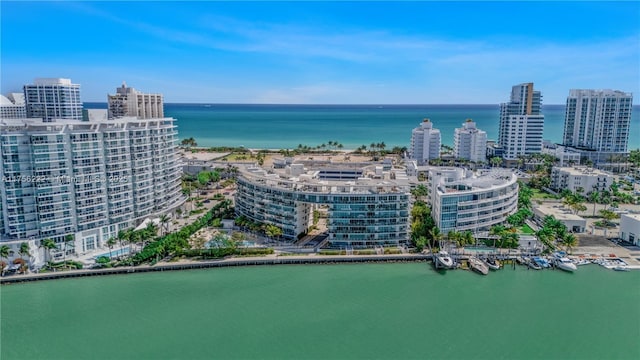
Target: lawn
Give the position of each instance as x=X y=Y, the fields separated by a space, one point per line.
x=526 y=229
x=537 y=194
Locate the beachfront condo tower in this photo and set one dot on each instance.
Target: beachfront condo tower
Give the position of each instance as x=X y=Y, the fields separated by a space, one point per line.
x=425 y=143
x=598 y=120
x=470 y=143
x=51 y=98
x=85 y=179
x=521 y=122
x=128 y=101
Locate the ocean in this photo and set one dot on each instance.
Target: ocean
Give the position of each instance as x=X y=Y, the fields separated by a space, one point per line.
x=356 y=311
x=287 y=126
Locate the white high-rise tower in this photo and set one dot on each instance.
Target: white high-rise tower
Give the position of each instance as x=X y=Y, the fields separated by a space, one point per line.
x=598 y=120
x=51 y=99
x=469 y=142
x=425 y=143
x=521 y=122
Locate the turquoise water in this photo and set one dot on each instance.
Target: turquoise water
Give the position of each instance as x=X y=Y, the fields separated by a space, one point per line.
x=286 y=126
x=364 y=311
x=114 y=253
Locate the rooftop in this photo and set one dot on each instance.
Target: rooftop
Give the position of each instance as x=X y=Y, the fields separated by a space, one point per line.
x=559 y=212
x=467 y=181
x=635 y=217
x=581 y=170
x=311 y=178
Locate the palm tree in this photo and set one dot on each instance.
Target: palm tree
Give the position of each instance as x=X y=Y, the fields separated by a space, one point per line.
x=495 y=161
x=24 y=250
x=436 y=236
x=468 y=238
x=497 y=231
x=570 y=241
x=4 y=252
x=164 y=220
x=48 y=245
x=455 y=237
x=594 y=196
x=110 y=243
x=68 y=239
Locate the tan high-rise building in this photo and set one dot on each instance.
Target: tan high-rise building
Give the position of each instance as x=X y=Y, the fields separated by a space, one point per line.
x=130 y=102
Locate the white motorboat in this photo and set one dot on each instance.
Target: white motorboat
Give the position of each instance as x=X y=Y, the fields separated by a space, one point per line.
x=581 y=262
x=492 y=263
x=478 y=266
x=565 y=264
x=621 y=268
x=444 y=260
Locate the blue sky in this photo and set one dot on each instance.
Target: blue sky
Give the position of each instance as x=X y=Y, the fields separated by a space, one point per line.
x=323 y=52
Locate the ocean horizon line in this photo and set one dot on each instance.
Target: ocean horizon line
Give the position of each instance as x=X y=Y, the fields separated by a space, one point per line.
x=326 y=104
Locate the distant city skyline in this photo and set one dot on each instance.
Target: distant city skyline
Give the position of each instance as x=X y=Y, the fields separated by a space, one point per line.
x=323 y=52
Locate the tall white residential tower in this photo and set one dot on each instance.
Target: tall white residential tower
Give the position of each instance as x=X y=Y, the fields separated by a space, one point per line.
x=51 y=99
x=469 y=142
x=598 y=120
x=88 y=179
x=521 y=122
x=425 y=143
x=130 y=102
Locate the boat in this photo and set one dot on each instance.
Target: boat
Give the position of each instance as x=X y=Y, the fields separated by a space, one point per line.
x=444 y=260
x=621 y=268
x=565 y=264
x=492 y=263
x=478 y=266
x=581 y=262
x=533 y=265
x=542 y=262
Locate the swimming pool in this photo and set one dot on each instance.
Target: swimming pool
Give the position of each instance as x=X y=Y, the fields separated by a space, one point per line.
x=480 y=249
x=114 y=253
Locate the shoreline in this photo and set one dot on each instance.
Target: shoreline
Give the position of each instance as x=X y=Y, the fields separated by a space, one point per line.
x=246 y=262
x=190 y=265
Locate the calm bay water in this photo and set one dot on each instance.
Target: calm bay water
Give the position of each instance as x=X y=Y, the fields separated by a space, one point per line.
x=388 y=311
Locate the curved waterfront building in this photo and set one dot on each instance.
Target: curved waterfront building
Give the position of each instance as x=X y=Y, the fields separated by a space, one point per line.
x=463 y=200
x=365 y=207
x=89 y=179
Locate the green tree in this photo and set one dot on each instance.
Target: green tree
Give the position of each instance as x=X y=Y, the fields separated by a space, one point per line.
x=68 y=240
x=164 y=221
x=608 y=215
x=272 y=231
x=436 y=236
x=495 y=161
x=111 y=243
x=456 y=238
x=48 y=245
x=468 y=238
x=24 y=250
x=594 y=197
x=570 y=241
x=4 y=252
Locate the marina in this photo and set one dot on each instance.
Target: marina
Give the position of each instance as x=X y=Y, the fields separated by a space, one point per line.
x=441 y=261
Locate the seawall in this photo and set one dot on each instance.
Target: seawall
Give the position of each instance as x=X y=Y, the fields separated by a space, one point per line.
x=281 y=260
